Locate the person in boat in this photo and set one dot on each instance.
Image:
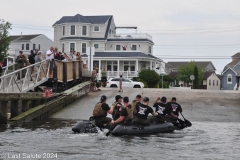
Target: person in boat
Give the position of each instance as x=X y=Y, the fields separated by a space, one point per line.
x=176 y=108
x=116 y=107
x=126 y=114
x=100 y=112
x=136 y=102
x=141 y=117
x=162 y=109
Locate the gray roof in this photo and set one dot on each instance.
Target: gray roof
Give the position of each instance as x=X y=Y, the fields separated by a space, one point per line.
x=83 y=19
x=23 y=37
x=123 y=54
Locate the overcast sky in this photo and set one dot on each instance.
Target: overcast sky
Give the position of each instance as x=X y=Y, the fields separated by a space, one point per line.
x=182 y=30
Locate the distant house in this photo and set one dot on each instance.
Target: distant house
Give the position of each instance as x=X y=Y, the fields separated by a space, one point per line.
x=213 y=82
x=121 y=54
x=26 y=43
x=207 y=66
x=231 y=74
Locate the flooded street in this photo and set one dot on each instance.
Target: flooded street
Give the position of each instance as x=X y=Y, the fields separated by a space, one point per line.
x=215 y=133
x=203 y=140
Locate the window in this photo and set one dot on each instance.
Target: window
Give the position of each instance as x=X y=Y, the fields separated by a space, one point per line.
x=72 y=29
x=39 y=47
x=84 y=47
x=229 y=79
x=209 y=82
x=112 y=66
x=84 y=30
x=134 y=47
x=149 y=49
x=27 y=46
x=110 y=31
x=96 y=46
x=22 y=46
x=34 y=46
x=72 y=46
x=129 y=65
x=96 y=29
x=63 y=46
x=63 y=30
x=217 y=82
x=118 y=47
x=213 y=82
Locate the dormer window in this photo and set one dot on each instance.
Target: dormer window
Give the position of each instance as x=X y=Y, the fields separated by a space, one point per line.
x=96 y=29
x=72 y=29
x=134 y=47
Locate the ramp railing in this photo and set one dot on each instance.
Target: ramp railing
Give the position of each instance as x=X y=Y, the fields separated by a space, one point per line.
x=24 y=79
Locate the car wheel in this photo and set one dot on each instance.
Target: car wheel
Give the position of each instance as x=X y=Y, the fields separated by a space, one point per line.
x=136 y=86
x=113 y=86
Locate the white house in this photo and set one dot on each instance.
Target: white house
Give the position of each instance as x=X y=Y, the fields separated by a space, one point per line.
x=213 y=82
x=121 y=54
x=26 y=43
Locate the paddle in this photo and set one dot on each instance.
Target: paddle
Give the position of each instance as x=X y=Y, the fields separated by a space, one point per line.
x=188 y=123
x=180 y=125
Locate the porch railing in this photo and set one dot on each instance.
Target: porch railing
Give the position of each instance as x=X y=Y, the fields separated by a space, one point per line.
x=126 y=74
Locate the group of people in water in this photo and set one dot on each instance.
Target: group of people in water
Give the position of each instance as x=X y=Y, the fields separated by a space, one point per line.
x=135 y=112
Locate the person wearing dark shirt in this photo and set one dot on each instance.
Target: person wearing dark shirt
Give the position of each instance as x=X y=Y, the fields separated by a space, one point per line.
x=162 y=109
x=126 y=113
x=176 y=108
x=116 y=107
x=136 y=102
x=142 y=112
x=100 y=112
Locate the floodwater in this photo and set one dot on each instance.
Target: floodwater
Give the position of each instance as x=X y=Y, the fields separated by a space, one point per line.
x=204 y=140
x=215 y=133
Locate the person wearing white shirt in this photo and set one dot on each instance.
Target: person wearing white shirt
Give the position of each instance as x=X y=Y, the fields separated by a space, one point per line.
x=50 y=61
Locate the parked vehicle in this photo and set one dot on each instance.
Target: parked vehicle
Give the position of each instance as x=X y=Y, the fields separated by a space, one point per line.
x=114 y=82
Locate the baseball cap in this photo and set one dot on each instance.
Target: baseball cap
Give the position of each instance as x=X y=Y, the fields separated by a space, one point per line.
x=103 y=98
x=117 y=97
x=125 y=99
x=138 y=96
x=146 y=99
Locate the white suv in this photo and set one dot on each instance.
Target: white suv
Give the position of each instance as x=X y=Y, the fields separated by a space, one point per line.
x=114 y=82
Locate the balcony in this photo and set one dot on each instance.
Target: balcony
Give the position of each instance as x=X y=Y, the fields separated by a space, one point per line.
x=131 y=36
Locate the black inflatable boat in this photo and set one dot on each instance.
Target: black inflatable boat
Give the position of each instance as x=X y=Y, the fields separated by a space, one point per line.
x=153 y=128
x=89 y=127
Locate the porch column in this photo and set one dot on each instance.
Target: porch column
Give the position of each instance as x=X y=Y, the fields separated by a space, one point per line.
x=136 y=70
x=118 y=68
x=99 y=70
x=151 y=65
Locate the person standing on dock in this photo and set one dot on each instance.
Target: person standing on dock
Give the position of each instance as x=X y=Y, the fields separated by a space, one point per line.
x=50 y=62
x=22 y=62
x=104 y=77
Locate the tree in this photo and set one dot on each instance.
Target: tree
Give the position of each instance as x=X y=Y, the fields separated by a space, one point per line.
x=195 y=81
x=150 y=77
x=185 y=71
x=4 y=38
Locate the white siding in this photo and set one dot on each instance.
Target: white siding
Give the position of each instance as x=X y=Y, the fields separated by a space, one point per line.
x=213 y=78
